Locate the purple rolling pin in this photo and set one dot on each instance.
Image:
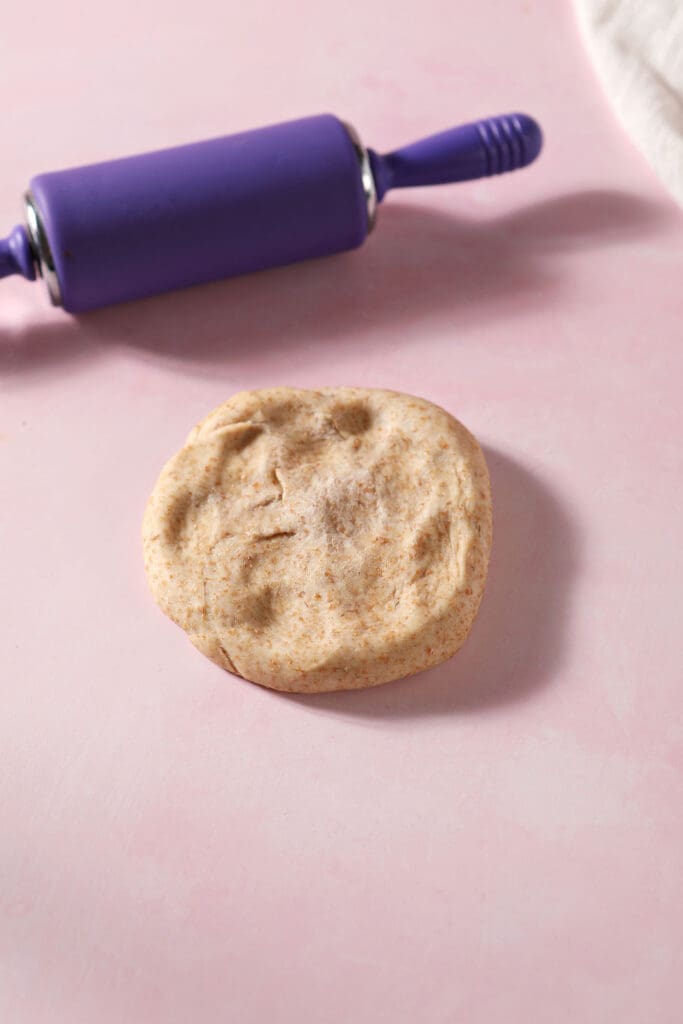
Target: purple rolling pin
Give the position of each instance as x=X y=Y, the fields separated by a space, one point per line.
x=124 y=229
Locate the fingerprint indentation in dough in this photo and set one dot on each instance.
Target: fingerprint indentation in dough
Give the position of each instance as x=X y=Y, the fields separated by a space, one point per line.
x=276 y=493
x=258 y=609
x=176 y=516
x=431 y=545
x=234 y=437
x=351 y=418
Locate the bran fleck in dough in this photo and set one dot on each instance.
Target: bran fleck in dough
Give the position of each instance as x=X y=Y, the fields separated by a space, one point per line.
x=322 y=540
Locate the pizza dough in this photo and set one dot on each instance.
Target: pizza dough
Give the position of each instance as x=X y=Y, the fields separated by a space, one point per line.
x=322 y=540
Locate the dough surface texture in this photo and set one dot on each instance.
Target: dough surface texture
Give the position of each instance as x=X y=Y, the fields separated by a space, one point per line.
x=322 y=540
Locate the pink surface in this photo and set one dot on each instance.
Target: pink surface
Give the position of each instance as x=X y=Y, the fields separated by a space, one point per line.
x=498 y=840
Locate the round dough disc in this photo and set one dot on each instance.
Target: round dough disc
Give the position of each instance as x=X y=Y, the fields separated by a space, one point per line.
x=322 y=540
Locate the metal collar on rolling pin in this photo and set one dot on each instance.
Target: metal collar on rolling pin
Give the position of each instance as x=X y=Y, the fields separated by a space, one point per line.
x=133 y=227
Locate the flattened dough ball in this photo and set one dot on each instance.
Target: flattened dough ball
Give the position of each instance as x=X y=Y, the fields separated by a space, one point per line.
x=322 y=540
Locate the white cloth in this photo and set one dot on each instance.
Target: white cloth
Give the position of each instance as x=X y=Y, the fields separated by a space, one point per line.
x=637 y=47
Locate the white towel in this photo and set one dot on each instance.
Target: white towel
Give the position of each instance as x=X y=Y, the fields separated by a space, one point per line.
x=637 y=47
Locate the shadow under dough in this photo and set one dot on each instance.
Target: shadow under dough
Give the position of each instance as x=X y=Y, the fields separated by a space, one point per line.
x=419 y=264
x=517 y=642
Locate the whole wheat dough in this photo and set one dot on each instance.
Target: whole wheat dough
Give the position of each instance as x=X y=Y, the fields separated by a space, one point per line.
x=322 y=540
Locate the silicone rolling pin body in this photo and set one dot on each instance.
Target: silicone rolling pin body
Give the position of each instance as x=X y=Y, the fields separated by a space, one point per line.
x=129 y=228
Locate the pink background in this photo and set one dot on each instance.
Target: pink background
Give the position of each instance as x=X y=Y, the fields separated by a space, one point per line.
x=498 y=840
